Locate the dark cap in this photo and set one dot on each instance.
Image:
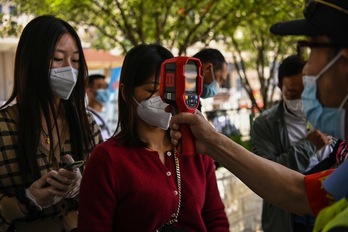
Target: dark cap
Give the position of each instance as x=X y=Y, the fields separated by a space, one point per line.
x=322 y=17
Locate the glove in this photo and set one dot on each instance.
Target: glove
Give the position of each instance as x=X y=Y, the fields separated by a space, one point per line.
x=75 y=176
x=40 y=193
x=62 y=184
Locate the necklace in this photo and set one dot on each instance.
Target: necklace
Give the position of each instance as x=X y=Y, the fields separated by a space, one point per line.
x=47 y=137
x=178 y=179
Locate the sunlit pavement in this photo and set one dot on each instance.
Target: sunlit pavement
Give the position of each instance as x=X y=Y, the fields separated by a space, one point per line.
x=243 y=207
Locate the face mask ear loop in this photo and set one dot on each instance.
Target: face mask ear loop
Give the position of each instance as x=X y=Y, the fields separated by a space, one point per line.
x=329 y=65
x=344 y=101
x=136 y=101
x=212 y=73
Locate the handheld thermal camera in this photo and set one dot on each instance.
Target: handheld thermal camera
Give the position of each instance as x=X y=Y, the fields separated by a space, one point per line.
x=181 y=86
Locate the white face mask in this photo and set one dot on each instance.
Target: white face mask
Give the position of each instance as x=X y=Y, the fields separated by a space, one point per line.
x=295 y=107
x=152 y=112
x=63 y=81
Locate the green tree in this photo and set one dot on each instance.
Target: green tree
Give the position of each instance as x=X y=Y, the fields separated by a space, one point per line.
x=243 y=26
x=176 y=24
x=253 y=47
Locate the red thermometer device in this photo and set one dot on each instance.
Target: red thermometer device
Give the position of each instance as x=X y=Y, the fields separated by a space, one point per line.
x=181 y=86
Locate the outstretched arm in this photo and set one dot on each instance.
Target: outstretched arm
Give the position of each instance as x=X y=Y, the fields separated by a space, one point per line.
x=271 y=181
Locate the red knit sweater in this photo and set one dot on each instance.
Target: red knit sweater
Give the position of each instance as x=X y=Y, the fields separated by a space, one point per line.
x=129 y=189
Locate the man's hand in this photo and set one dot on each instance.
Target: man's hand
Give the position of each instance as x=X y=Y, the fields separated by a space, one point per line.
x=201 y=129
x=319 y=139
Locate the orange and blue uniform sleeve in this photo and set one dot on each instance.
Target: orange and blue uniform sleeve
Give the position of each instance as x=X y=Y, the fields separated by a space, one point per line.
x=317 y=196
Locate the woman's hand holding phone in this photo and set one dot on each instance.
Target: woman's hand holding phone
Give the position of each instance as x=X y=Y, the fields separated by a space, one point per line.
x=74 y=165
x=71 y=175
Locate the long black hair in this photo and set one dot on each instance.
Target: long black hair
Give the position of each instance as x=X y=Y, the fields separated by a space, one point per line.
x=34 y=96
x=140 y=64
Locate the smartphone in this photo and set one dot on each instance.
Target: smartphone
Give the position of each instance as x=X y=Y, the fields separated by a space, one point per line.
x=74 y=165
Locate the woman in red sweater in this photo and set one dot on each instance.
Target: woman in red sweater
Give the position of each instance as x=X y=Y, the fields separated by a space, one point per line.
x=135 y=181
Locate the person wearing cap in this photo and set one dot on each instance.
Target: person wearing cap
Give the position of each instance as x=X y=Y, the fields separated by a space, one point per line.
x=324 y=102
x=284 y=135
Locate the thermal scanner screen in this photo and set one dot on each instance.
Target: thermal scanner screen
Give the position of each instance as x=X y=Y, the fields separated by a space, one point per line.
x=190 y=76
x=191 y=72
